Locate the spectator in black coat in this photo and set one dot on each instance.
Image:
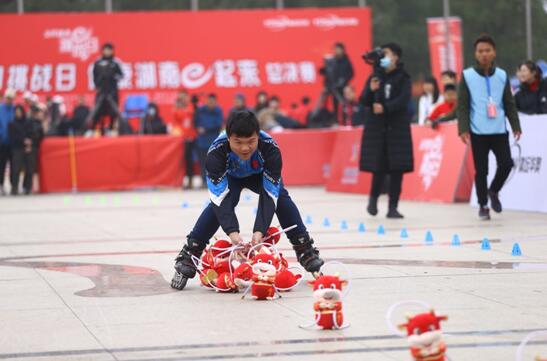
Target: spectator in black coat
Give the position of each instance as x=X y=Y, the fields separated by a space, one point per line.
x=530 y=98
x=25 y=136
x=338 y=72
x=261 y=101
x=152 y=123
x=107 y=71
x=386 y=146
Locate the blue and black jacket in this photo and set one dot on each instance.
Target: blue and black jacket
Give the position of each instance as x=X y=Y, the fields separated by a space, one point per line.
x=222 y=163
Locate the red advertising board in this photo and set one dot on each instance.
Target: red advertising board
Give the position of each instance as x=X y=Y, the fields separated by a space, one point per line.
x=441 y=172
x=441 y=57
x=306 y=155
x=130 y=162
x=226 y=52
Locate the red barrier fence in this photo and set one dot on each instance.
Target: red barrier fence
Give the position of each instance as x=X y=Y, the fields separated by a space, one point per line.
x=111 y=163
x=441 y=168
x=443 y=172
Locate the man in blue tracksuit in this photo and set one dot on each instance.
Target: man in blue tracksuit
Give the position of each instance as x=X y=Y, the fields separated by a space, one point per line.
x=7 y=114
x=244 y=157
x=484 y=102
x=208 y=122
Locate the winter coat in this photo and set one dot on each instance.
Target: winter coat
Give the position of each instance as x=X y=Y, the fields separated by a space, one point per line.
x=387 y=142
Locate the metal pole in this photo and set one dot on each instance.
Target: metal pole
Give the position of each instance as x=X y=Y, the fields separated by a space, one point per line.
x=362 y=3
x=195 y=5
x=280 y=4
x=108 y=6
x=446 y=11
x=20 y=7
x=529 y=52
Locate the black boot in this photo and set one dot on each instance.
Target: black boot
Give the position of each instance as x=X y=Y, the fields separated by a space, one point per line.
x=372 y=208
x=393 y=213
x=306 y=254
x=185 y=264
x=495 y=201
x=484 y=213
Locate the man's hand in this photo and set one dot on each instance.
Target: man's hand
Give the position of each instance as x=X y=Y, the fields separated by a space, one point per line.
x=257 y=238
x=466 y=138
x=235 y=238
x=377 y=108
x=201 y=130
x=374 y=84
x=517 y=135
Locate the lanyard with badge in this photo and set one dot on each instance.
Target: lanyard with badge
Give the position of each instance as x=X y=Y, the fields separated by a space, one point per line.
x=491 y=108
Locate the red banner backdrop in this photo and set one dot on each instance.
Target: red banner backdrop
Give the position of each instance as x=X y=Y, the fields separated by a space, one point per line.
x=225 y=52
x=440 y=58
x=441 y=172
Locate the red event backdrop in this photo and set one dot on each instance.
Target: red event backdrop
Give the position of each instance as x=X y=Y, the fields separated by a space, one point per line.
x=437 y=45
x=225 y=52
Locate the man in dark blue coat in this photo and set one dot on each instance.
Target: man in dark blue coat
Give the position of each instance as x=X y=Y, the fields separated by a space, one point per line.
x=208 y=121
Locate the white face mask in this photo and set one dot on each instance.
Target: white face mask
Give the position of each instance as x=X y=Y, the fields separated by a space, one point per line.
x=386 y=62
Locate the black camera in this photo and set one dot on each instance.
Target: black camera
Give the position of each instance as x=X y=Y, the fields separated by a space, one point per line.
x=373 y=57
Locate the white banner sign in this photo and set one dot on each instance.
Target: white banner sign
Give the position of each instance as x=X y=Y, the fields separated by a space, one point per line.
x=526 y=187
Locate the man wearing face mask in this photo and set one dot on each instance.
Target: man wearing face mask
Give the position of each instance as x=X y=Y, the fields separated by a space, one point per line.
x=386 y=147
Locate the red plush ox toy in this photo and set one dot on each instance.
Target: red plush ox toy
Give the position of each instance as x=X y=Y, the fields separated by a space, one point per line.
x=425 y=337
x=327 y=291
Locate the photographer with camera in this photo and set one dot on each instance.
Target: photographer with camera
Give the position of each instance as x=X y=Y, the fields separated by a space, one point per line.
x=338 y=72
x=106 y=74
x=386 y=147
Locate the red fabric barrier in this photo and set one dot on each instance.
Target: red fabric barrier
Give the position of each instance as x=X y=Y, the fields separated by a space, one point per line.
x=441 y=165
x=112 y=163
x=306 y=155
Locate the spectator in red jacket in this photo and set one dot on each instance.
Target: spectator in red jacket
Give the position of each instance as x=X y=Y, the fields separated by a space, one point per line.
x=443 y=111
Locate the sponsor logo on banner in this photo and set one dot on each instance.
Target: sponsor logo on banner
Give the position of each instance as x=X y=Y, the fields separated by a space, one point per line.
x=325 y=23
x=332 y=21
x=529 y=164
x=432 y=159
x=78 y=42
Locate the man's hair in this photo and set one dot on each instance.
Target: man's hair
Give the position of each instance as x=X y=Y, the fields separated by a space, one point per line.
x=242 y=124
x=212 y=96
x=274 y=98
x=394 y=47
x=340 y=45
x=108 y=46
x=449 y=73
x=449 y=87
x=484 y=38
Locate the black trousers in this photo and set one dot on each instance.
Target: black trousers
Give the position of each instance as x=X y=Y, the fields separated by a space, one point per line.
x=105 y=105
x=189 y=146
x=5 y=157
x=286 y=211
x=21 y=160
x=395 y=186
x=481 y=145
